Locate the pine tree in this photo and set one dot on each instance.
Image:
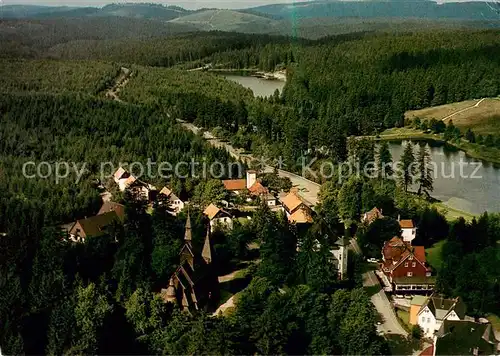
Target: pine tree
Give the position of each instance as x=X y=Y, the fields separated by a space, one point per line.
x=425 y=170
x=384 y=164
x=407 y=167
x=470 y=136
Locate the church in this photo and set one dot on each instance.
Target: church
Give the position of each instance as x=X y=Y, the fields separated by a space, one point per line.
x=194 y=285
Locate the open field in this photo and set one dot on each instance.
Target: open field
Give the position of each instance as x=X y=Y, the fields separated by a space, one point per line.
x=433 y=254
x=481 y=116
x=441 y=111
x=453 y=214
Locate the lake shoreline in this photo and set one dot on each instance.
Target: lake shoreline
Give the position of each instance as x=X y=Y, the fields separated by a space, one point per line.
x=271 y=76
x=471 y=150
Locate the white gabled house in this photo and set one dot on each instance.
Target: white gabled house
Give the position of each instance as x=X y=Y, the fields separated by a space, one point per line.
x=174 y=202
x=218 y=217
x=438 y=309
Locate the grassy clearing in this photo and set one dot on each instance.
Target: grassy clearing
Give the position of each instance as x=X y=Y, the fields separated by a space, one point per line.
x=482 y=119
x=441 y=111
x=452 y=214
x=404 y=317
x=405 y=133
x=495 y=321
x=433 y=255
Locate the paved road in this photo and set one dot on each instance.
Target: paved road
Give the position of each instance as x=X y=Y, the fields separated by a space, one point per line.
x=390 y=323
x=307 y=189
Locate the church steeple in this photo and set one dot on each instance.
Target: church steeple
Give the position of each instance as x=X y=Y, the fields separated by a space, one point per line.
x=207 y=249
x=188 y=235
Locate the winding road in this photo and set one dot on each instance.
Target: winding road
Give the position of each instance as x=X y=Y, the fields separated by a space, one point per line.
x=389 y=323
x=307 y=189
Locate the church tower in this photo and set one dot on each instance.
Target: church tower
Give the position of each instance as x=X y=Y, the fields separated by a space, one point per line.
x=207 y=252
x=187 y=254
x=188 y=235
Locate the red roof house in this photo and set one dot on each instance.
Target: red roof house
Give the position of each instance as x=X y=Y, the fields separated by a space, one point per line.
x=405 y=266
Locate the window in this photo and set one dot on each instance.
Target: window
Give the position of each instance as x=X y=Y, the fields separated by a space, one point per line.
x=423 y=319
x=427 y=274
x=406 y=264
x=428 y=320
x=409 y=274
x=414 y=264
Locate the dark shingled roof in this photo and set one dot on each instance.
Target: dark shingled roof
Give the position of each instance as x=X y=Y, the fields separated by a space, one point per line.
x=96 y=225
x=460 y=337
x=441 y=307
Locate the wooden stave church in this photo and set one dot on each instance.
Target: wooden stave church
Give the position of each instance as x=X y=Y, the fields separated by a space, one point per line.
x=194 y=285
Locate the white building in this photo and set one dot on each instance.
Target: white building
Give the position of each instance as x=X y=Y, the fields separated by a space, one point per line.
x=218 y=217
x=340 y=254
x=174 y=202
x=408 y=230
x=437 y=309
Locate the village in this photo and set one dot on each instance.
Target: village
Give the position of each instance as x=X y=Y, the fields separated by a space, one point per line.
x=406 y=280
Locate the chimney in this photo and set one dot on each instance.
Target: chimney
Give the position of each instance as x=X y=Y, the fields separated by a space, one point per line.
x=251 y=178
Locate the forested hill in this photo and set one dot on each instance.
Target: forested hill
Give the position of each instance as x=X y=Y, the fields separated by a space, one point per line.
x=364 y=85
x=473 y=10
x=144 y=11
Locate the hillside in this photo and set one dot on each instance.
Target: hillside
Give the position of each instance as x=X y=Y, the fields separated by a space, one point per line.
x=32 y=37
x=382 y=9
x=481 y=116
x=228 y=20
x=143 y=11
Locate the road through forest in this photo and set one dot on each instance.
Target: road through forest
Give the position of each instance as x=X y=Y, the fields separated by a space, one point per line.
x=308 y=190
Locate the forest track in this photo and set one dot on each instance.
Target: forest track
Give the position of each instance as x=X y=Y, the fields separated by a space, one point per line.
x=461 y=111
x=120 y=82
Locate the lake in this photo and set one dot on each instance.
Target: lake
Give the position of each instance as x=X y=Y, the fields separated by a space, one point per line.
x=474 y=193
x=476 y=190
x=259 y=86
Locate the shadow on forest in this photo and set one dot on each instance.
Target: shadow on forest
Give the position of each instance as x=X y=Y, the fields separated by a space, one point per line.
x=372 y=290
x=400 y=345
